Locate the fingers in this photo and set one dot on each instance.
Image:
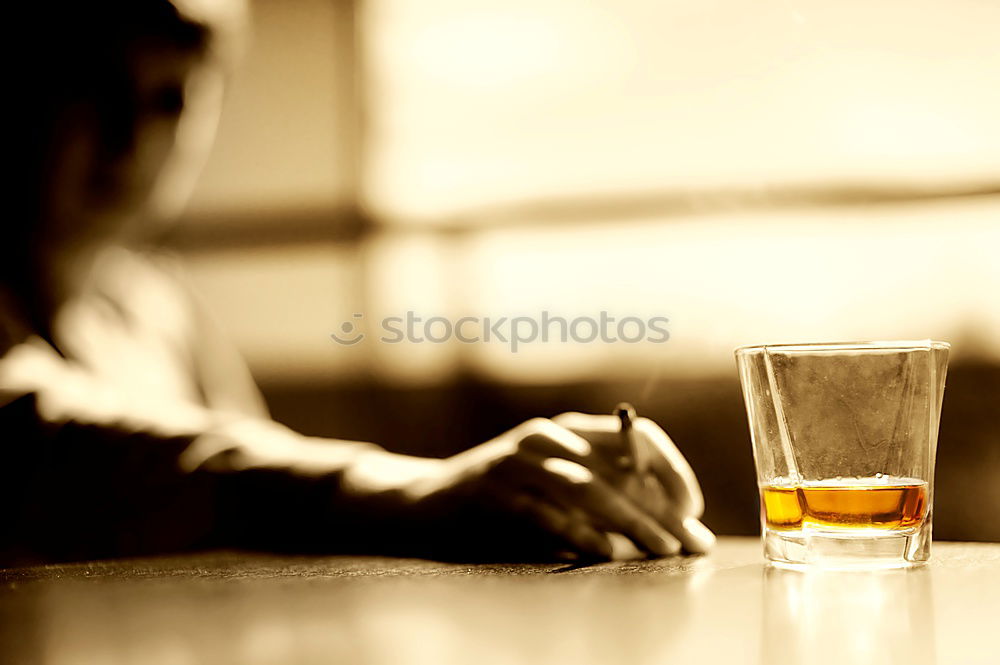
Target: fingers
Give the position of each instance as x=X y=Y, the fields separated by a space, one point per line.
x=546 y=437
x=577 y=532
x=665 y=460
x=698 y=538
x=669 y=491
x=672 y=470
x=657 y=509
x=695 y=537
x=569 y=483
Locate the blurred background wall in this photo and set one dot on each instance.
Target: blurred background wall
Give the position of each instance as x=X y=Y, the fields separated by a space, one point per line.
x=766 y=171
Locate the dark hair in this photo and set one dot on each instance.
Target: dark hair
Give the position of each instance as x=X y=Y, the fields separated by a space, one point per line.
x=81 y=39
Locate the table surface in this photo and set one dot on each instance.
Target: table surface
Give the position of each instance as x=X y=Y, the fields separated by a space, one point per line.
x=727 y=607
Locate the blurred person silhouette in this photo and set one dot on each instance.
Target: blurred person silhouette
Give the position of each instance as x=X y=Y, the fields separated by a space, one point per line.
x=129 y=426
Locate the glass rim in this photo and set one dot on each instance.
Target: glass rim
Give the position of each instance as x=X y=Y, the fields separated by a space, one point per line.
x=888 y=345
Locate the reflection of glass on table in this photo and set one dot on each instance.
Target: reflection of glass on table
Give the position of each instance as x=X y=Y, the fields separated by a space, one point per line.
x=844 y=441
x=863 y=618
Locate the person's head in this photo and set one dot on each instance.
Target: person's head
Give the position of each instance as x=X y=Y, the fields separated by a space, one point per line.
x=120 y=104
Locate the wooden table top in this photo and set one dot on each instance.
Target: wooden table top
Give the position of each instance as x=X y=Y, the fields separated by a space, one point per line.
x=727 y=607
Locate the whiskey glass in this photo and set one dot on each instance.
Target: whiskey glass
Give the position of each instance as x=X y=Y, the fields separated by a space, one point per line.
x=844 y=441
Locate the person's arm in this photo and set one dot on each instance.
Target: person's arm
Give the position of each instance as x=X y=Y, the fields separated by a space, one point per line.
x=480 y=502
x=90 y=472
x=217 y=366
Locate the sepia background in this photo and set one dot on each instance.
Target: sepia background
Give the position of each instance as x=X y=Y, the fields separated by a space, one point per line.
x=757 y=171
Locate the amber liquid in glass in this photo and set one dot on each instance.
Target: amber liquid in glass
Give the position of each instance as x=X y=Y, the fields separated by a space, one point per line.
x=857 y=503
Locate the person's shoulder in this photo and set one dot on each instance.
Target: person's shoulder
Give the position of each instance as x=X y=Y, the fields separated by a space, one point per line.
x=120 y=266
x=148 y=285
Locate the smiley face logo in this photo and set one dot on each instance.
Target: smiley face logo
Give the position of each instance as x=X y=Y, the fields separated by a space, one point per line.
x=348 y=329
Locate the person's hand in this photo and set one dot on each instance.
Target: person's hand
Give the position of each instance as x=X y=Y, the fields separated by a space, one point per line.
x=574 y=476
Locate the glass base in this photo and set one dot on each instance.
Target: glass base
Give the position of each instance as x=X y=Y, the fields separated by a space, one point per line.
x=855 y=549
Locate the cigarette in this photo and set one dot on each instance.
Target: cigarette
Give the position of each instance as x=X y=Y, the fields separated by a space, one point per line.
x=626 y=415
